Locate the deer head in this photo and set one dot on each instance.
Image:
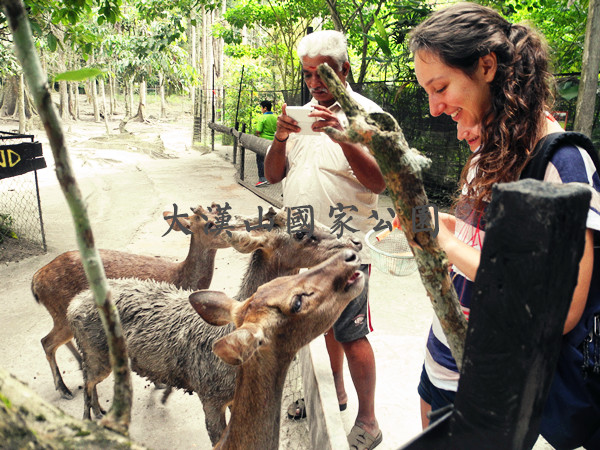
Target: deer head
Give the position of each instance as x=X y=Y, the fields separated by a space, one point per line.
x=286 y=313
x=290 y=249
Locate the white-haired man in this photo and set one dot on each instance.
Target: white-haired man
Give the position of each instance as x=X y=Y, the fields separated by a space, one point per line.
x=340 y=181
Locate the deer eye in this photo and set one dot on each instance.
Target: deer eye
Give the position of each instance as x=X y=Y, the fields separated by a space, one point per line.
x=296 y=304
x=299 y=235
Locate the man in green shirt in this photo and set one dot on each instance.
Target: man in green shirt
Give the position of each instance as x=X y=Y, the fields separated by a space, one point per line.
x=267 y=124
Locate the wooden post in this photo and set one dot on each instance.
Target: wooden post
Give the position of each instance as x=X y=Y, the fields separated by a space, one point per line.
x=534 y=241
x=235 y=143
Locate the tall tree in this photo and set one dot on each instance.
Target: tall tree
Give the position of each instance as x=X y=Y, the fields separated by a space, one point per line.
x=588 y=86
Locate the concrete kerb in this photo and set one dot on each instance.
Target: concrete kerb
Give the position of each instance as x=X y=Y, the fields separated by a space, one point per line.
x=324 y=419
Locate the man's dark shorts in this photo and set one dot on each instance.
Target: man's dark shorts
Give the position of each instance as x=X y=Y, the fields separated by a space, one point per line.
x=355 y=322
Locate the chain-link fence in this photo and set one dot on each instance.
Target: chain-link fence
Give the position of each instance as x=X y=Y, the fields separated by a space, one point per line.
x=21 y=225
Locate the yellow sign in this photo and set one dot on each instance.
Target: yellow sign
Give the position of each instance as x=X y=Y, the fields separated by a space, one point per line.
x=9 y=158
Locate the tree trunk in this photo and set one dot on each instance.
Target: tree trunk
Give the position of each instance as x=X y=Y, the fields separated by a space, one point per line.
x=130 y=96
x=207 y=68
x=10 y=96
x=104 y=112
x=586 y=98
x=22 y=116
x=77 y=116
x=194 y=56
x=141 y=113
x=163 y=102
x=64 y=100
x=111 y=96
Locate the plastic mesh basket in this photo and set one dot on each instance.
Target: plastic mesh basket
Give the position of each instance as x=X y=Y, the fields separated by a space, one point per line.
x=392 y=254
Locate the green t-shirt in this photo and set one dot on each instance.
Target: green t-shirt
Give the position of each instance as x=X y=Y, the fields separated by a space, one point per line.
x=267 y=125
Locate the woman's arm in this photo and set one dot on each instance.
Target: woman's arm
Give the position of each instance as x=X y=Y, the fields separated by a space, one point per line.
x=580 y=295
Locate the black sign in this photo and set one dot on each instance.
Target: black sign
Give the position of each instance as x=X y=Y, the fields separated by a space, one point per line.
x=18 y=159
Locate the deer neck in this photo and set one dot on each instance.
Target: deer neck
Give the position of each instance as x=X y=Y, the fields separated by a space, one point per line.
x=260 y=271
x=256 y=409
x=196 y=271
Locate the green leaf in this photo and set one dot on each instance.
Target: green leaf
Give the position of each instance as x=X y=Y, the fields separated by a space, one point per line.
x=79 y=75
x=52 y=42
x=384 y=45
x=381 y=28
x=569 y=91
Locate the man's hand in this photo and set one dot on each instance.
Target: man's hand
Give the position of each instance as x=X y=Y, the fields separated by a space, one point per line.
x=325 y=119
x=285 y=125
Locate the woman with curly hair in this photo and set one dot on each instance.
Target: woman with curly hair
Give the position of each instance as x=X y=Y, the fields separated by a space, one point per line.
x=492 y=78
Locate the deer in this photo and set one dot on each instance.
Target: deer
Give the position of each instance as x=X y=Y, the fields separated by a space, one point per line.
x=167 y=344
x=271 y=326
x=55 y=284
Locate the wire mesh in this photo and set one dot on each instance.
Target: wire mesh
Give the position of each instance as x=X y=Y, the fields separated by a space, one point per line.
x=21 y=233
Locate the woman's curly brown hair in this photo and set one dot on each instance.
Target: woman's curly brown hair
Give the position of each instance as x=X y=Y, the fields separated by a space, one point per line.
x=521 y=90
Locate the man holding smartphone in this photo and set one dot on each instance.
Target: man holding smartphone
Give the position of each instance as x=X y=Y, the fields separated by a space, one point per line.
x=336 y=179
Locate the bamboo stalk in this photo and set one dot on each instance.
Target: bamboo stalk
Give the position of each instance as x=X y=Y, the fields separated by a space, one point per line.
x=402 y=168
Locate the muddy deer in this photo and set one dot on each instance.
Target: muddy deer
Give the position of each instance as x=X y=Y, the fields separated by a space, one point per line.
x=271 y=326
x=55 y=284
x=168 y=343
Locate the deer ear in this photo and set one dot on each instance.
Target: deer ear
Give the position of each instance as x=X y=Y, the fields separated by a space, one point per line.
x=199 y=210
x=214 y=307
x=239 y=345
x=180 y=220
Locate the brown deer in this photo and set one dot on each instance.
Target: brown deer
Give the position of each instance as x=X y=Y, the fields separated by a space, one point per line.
x=170 y=346
x=55 y=284
x=271 y=326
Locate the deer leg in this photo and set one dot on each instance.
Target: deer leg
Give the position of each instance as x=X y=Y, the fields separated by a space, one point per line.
x=57 y=337
x=165 y=396
x=214 y=415
x=91 y=377
x=71 y=346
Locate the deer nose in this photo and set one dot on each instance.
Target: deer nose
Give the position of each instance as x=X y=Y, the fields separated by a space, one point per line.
x=350 y=256
x=356 y=243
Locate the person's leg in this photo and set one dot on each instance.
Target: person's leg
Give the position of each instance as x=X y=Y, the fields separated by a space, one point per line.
x=432 y=399
x=425 y=410
x=336 y=359
x=351 y=330
x=260 y=165
x=361 y=362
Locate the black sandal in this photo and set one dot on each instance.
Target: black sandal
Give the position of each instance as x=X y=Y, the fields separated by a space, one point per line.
x=297 y=410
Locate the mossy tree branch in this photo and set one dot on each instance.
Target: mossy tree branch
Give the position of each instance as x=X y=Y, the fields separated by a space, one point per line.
x=402 y=170
x=120 y=412
x=28 y=421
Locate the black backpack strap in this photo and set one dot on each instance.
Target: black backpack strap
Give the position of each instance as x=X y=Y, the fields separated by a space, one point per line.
x=545 y=148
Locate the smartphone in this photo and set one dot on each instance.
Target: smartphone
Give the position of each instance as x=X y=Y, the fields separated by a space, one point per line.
x=300 y=115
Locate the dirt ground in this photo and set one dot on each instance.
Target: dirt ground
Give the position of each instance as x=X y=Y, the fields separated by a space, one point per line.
x=127 y=181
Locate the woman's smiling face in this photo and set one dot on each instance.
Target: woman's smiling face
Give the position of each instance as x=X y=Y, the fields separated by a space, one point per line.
x=451 y=91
